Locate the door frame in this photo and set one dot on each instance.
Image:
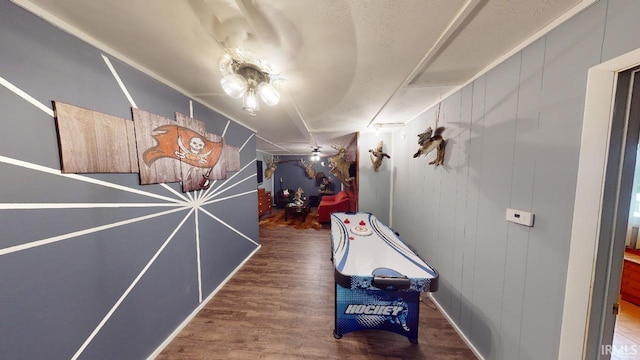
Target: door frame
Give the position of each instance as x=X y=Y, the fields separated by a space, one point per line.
x=616 y=202
x=587 y=216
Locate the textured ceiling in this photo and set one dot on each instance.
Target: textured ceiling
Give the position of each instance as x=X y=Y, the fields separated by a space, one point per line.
x=348 y=65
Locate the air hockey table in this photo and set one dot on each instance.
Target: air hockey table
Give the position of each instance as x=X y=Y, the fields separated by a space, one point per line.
x=378 y=279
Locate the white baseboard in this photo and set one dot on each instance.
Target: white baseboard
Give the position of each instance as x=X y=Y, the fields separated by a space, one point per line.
x=196 y=310
x=456 y=328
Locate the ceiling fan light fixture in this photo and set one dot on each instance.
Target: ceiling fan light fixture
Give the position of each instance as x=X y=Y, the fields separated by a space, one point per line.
x=224 y=65
x=315 y=154
x=234 y=85
x=250 y=102
x=243 y=79
x=269 y=94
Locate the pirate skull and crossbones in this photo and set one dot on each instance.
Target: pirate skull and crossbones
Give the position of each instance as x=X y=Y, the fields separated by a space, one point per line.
x=196 y=144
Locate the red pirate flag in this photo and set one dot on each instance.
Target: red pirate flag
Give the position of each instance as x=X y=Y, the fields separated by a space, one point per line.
x=183 y=144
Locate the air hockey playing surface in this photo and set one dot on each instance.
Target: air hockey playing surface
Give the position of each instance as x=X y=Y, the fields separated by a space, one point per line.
x=378 y=278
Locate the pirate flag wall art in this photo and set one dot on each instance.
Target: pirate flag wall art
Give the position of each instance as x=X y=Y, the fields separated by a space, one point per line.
x=192 y=148
x=162 y=150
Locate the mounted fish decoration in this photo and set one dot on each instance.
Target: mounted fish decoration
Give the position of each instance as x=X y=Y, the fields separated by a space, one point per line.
x=430 y=140
x=377 y=155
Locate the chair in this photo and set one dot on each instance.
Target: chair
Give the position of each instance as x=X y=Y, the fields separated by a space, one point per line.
x=332 y=203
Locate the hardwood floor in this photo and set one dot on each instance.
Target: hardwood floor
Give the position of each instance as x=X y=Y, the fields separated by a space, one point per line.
x=626 y=339
x=280 y=305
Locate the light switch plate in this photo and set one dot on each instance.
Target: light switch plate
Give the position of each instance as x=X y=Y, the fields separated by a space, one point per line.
x=520 y=217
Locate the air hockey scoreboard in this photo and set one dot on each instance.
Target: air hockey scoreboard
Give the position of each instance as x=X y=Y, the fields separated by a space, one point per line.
x=378 y=279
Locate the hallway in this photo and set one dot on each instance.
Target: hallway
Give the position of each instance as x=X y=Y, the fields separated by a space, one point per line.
x=280 y=305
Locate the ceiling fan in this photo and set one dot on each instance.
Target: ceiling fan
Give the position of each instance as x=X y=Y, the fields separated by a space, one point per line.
x=315 y=154
x=247 y=25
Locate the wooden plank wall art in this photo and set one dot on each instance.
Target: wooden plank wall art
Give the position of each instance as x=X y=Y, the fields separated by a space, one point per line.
x=92 y=142
x=161 y=150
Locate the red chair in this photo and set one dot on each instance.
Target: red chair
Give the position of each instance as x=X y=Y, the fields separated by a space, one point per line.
x=332 y=203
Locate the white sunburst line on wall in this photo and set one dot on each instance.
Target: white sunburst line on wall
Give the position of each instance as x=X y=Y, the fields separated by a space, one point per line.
x=28 y=98
x=207 y=196
x=215 y=191
x=206 y=192
x=119 y=81
x=228 y=226
x=39 y=206
x=224 y=132
x=197 y=194
x=44 y=169
x=229 y=197
x=209 y=191
x=198 y=260
x=190 y=196
x=174 y=191
x=230 y=187
x=129 y=289
x=203 y=192
x=241 y=147
x=246 y=141
x=73 y=234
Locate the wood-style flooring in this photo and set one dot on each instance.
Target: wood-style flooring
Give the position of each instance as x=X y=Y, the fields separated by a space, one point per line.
x=280 y=305
x=626 y=338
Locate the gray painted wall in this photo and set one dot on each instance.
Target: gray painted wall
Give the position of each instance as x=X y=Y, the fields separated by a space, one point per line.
x=374 y=187
x=77 y=277
x=513 y=142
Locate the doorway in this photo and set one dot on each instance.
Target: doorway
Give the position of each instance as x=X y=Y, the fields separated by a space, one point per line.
x=626 y=337
x=603 y=192
x=616 y=204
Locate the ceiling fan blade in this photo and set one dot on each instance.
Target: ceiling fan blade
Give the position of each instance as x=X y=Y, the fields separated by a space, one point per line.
x=262 y=28
x=279 y=40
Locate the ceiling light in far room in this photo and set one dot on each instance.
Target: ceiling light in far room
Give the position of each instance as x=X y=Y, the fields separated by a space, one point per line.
x=246 y=76
x=315 y=154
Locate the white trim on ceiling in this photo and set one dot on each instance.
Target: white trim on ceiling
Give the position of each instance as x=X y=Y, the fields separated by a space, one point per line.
x=542 y=32
x=457 y=21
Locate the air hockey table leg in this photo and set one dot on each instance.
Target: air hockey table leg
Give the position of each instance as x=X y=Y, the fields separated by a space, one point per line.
x=336 y=334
